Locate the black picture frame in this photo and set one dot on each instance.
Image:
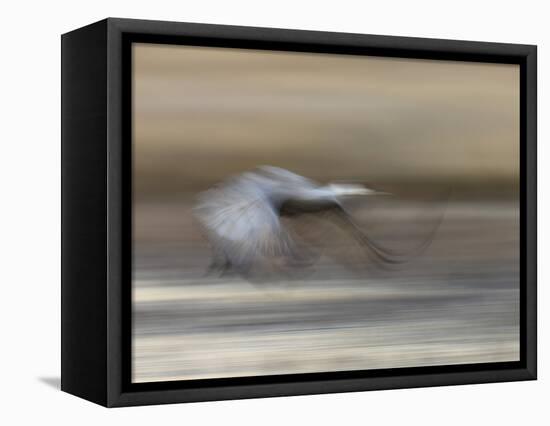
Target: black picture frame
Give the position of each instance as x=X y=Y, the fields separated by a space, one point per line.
x=96 y=211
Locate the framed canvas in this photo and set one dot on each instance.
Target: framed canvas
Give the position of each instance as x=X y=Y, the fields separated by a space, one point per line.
x=255 y=212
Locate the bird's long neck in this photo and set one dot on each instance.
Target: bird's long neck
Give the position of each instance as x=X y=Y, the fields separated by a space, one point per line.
x=310 y=201
x=320 y=194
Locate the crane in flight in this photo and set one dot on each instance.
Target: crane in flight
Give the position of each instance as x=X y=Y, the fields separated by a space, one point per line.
x=242 y=218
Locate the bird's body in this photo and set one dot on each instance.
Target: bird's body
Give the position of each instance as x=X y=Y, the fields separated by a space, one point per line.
x=242 y=218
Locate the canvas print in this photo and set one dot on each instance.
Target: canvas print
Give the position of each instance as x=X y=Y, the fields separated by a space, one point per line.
x=309 y=212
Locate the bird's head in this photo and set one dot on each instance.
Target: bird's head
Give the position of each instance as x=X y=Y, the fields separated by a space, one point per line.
x=351 y=189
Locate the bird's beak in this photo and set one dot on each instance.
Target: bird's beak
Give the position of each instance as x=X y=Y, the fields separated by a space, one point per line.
x=367 y=191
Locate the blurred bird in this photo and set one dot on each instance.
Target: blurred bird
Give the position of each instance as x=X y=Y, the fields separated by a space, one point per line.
x=242 y=219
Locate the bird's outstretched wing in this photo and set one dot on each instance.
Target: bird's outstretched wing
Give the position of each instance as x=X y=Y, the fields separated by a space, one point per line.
x=380 y=253
x=242 y=223
x=285 y=177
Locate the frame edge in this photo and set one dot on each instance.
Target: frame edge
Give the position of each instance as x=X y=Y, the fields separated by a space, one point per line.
x=83 y=213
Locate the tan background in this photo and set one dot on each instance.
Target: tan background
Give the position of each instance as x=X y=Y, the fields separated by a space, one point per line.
x=203 y=113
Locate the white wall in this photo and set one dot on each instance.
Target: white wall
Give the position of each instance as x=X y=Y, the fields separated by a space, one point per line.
x=30 y=173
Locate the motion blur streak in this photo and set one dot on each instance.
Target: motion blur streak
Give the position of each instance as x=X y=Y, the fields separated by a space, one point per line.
x=412 y=128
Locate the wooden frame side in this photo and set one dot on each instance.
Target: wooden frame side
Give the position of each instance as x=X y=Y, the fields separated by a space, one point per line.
x=83 y=213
